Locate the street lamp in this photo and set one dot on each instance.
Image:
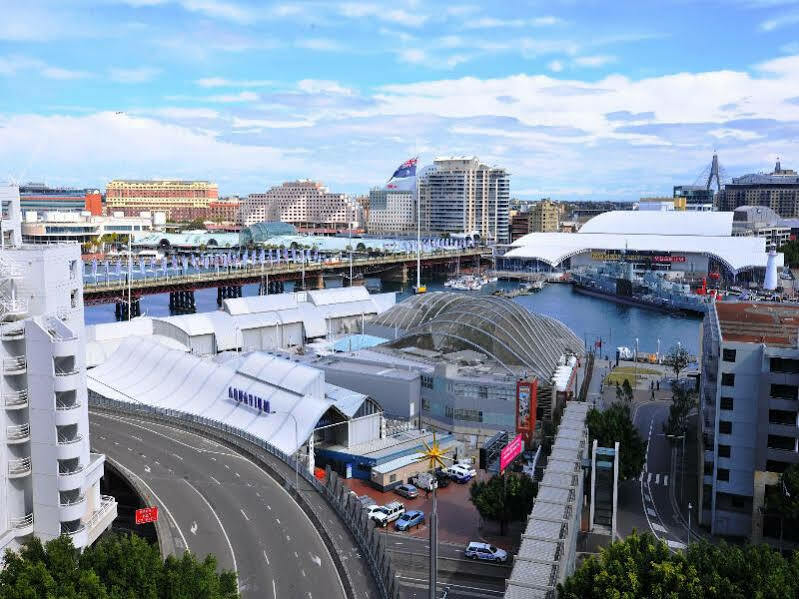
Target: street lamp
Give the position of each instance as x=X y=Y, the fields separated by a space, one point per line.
x=296 y=441
x=435 y=456
x=682 y=466
x=689 y=524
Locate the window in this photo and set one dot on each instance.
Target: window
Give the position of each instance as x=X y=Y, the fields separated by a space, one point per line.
x=737 y=501
x=782 y=417
x=726 y=403
x=708 y=468
x=724 y=451
x=784 y=391
x=425 y=405
x=727 y=378
x=392 y=478
x=728 y=355
x=427 y=381
x=725 y=427
x=723 y=474
x=786 y=365
x=780 y=442
x=776 y=466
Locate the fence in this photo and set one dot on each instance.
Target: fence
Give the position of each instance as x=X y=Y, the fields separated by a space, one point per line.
x=370 y=544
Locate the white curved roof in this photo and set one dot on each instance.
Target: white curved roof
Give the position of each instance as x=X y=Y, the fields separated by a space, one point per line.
x=738 y=253
x=144 y=371
x=645 y=222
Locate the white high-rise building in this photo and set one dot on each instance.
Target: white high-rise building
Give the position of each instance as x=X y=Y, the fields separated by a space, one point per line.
x=391 y=212
x=49 y=480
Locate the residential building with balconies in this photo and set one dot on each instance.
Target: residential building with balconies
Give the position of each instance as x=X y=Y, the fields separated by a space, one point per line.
x=49 y=479
x=749 y=407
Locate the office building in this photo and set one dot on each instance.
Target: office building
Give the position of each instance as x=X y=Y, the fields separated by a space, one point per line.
x=59 y=227
x=661 y=204
x=539 y=217
x=461 y=195
x=778 y=190
x=40 y=197
x=181 y=201
x=697 y=198
x=305 y=204
x=224 y=210
x=748 y=402
x=391 y=212
x=760 y=221
x=49 y=478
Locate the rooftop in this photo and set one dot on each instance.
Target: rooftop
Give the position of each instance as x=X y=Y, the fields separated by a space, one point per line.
x=772 y=324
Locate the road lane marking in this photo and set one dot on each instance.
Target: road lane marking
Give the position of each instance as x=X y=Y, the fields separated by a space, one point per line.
x=213 y=479
x=237 y=475
x=147 y=469
x=316 y=559
x=665 y=480
x=226 y=466
x=193 y=529
x=274 y=590
x=266 y=557
x=224 y=532
x=303 y=574
x=139 y=439
x=675 y=544
x=277 y=520
x=659 y=528
x=288 y=538
x=296 y=555
x=177 y=456
x=657 y=479
x=245 y=515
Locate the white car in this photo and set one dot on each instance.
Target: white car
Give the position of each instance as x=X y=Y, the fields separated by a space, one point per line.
x=461 y=473
x=485 y=551
x=388 y=513
x=370 y=510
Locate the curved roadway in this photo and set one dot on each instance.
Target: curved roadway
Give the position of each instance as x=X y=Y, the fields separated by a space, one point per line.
x=217 y=501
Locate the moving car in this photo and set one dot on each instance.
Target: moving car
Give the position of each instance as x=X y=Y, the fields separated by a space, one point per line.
x=485 y=551
x=388 y=513
x=409 y=520
x=408 y=491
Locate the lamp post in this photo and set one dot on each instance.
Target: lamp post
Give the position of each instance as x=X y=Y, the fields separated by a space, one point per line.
x=682 y=465
x=435 y=456
x=689 y=524
x=296 y=440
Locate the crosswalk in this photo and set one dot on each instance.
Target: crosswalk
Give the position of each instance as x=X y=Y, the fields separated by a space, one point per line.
x=654 y=478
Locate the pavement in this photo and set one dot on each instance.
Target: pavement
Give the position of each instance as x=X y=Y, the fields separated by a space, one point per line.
x=219 y=502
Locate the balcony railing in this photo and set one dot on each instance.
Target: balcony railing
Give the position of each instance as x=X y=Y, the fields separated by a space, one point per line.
x=61 y=372
x=80 y=528
x=74 y=501
x=18 y=432
x=24 y=522
x=13 y=399
x=64 y=405
x=12 y=332
x=14 y=364
x=12 y=308
x=19 y=467
x=106 y=503
x=66 y=472
x=65 y=440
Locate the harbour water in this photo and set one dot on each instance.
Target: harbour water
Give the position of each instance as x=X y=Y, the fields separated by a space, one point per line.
x=590 y=318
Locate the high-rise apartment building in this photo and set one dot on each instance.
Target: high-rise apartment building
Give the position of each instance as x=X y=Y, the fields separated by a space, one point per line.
x=778 y=190
x=49 y=479
x=698 y=198
x=749 y=406
x=41 y=198
x=462 y=195
x=545 y=216
x=226 y=210
x=391 y=212
x=181 y=200
x=305 y=204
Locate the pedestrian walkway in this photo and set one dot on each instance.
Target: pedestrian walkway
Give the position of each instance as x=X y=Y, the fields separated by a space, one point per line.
x=660 y=479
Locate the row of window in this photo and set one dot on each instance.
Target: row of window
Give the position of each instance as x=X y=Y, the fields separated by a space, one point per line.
x=778 y=391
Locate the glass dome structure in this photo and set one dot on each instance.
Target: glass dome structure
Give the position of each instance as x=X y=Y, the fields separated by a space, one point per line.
x=500 y=328
x=261 y=232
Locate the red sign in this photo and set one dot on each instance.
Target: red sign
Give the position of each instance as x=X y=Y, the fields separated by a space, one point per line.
x=147 y=514
x=510 y=451
x=526 y=407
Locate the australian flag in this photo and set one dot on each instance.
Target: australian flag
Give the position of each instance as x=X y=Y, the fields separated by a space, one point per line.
x=404 y=178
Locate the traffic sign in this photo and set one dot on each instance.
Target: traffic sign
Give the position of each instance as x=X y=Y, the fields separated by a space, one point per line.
x=147 y=514
x=510 y=451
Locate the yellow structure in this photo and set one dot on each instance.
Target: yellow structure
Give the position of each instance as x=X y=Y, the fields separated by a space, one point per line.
x=180 y=200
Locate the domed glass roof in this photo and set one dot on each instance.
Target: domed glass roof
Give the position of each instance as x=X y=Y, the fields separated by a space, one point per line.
x=498 y=327
x=261 y=232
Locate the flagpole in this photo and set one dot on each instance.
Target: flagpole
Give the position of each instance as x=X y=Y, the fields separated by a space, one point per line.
x=418 y=230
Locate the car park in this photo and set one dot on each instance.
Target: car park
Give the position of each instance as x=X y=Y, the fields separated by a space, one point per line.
x=409 y=519
x=388 y=513
x=407 y=490
x=485 y=551
x=424 y=481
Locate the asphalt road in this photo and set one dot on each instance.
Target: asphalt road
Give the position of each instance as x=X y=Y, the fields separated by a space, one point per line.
x=218 y=502
x=646 y=504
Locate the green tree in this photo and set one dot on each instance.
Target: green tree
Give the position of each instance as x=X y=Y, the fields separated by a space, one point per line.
x=115 y=567
x=677 y=357
x=791 y=251
x=504 y=498
x=683 y=401
x=627 y=391
x=615 y=424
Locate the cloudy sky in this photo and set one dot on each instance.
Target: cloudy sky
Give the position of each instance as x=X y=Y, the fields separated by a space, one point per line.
x=579 y=99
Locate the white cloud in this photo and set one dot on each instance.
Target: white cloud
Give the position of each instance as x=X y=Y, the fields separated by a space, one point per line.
x=359 y=10
x=556 y=66
x=320 y=44
x=222 y=82
x=319 y=86
x=14 y=64
x=736 y=134
x=493 y=22
x=239 y=123
x=180 y=113
x=134 y=75
x=234 y=98
x=779 y=22
x=412 y=55
x=63 y=74
x=593 y=61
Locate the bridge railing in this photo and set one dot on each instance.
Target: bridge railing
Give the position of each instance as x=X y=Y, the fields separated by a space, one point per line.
x=371 y=544
x=107 y=280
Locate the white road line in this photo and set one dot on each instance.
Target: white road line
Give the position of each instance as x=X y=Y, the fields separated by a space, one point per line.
x=665 y=480
x=675 y=544
x=237 y=475
x=296 y=555
x=269 y=507
x=659 y=528
x=649 y=478
x=139 y=439
x=213 y=479
x=303 y=574
x=224 y=532
x=245 y=515
x=266 y=557
x=157 y=498
x=652 y=513
x=226 y=466
x=288 y=538
x=274 y=590
x=657 y=479
x=177 y=456
x=277 y=520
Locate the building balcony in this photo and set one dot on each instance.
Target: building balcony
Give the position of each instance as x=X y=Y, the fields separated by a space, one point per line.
x=782 y=429
x=76 y=531
x=69 y=480
x=67 y=413
x=19 y=467
x=12 y=332
x=782 y=455
x=13 y=309
x=18 y=433
x=14 y=365
x=66 y=381
x=22 y=526
x=69 y=448
x=72 y=509
x=102 y=518
x=15 y=400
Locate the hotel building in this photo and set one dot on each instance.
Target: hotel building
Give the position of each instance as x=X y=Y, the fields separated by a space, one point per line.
x=180 y=200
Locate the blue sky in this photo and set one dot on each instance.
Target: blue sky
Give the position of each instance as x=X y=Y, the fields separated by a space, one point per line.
x=579 y=99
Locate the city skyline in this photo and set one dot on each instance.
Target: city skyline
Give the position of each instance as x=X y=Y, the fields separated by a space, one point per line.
x=575 y=99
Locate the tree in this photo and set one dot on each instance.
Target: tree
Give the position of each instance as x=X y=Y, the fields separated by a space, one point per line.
x=615 y=424
x=116 y=567
x=677 y=357
x=683 y=401
x=504 y=498
x=627 y=391
x=791 y=251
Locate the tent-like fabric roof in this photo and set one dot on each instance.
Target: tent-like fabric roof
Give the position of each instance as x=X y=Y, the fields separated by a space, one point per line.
x=646 y=222
x=143 y=371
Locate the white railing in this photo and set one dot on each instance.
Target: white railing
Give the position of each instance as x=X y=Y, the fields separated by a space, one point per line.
x=12 y=331
x=15 y=398
x=65 y=441
x=12 y=307
x=19 y=466
x=14 y=363
x=77 y=470
x=76 y=501
x=23 y=522
x=66 y=372
x=81 y=527
x=17 y=432
x=106 y=503
x=67 y=406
